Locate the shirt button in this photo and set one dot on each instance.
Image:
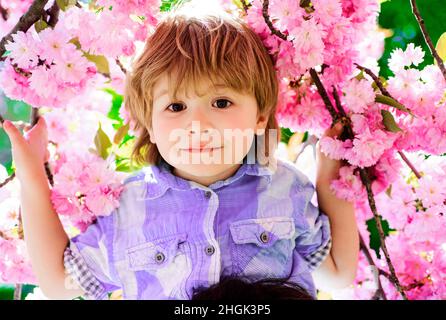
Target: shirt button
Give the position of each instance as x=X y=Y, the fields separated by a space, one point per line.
x=159 y=257
x=264 y=237
x=208 y=194
x=210 y=250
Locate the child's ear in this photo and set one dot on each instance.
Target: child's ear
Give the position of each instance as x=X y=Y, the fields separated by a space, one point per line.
x=151 y=135
x=262 y=121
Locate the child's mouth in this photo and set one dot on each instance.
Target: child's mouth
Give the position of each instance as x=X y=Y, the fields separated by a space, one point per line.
x=201 y=150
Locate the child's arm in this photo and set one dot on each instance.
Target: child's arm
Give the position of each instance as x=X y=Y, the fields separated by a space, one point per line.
x=339 y=268
x=44 y=235
x=45 y=238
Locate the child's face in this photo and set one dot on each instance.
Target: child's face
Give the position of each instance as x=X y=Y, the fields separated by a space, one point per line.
x=221 y=121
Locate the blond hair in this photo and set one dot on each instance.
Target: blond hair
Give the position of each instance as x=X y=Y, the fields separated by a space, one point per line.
x=219 y=47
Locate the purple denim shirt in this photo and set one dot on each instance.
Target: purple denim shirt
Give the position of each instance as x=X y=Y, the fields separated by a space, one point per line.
x=170 y=235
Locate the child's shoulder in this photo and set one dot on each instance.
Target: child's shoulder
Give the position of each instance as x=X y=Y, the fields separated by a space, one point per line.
x=136 y=181
x=286 y=169
x=135 y=176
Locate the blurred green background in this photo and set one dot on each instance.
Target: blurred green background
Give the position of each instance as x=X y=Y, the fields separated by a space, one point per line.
x=396 y=15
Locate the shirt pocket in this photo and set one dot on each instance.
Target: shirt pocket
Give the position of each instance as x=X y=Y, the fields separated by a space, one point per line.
x=156 y=254
x=262 y=246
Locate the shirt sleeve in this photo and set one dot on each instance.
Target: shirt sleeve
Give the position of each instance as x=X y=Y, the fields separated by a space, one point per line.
x=313 y=239
x=88 y=259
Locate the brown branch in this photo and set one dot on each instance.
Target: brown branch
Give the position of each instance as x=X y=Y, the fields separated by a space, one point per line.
x=4 y=12
x=345 y=120
x=384 y=91
x=246 y=4
x=18 y=291
x=324 y=95
x=381 y=87
x=269 y=23
x=25 y=22
x=365 y=178
x=379 y=291
x=3 y=236
x=409 y=164
x=7 y=180
x=427 y=38
x=119 y=63
x=375 y=78
x=363 y=171
x=368 y=185
x=53 y=14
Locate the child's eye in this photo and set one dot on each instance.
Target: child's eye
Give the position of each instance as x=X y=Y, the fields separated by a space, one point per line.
x=176 y=107
x=221 y=103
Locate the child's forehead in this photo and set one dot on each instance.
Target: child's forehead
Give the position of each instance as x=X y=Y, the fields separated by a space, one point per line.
x=203 y=85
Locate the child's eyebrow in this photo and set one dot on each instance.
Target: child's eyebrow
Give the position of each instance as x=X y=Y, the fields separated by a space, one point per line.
x=165 y=91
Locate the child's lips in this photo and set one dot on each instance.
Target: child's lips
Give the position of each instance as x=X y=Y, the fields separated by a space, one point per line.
x=193 y=150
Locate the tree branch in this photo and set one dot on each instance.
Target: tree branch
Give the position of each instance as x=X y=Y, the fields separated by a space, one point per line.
x=53 y=13
x=368 y=185
x=269 y=23
x=365 y=178
x=246 y=4
x=18 y=291
x=409 y=164
x=25 y=22
x=384 y=91
x=119 y=63
x=427 y=38
x=4 y=13
x=7 y=180
x=324 y=95
x=379 y=291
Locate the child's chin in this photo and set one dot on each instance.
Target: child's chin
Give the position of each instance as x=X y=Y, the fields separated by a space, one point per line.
x=205 y=169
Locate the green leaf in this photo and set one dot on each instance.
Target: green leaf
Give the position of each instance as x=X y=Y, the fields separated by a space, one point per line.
x=360 y=76
x=6 y=291
x=65 y=4
x=390 y=102
x=40 y=25
x=101 y=62
x=167 y=5
x=76 y=42
x=102 y=143
x=285 y=134
x=116 y=106
x=389 y=121
x=375 y=242
x=125 y=149
x=124 y=166
x=7 y=52
x=382 y=80
x=126 y=138
x=389 y=191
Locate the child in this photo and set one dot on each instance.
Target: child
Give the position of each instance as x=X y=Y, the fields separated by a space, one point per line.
x=184 y=224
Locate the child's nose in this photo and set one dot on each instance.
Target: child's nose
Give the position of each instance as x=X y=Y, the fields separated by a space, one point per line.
x=200 y=122
x=197 y=128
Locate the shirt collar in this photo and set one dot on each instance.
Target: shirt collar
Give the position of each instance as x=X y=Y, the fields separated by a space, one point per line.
x=160 y=178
